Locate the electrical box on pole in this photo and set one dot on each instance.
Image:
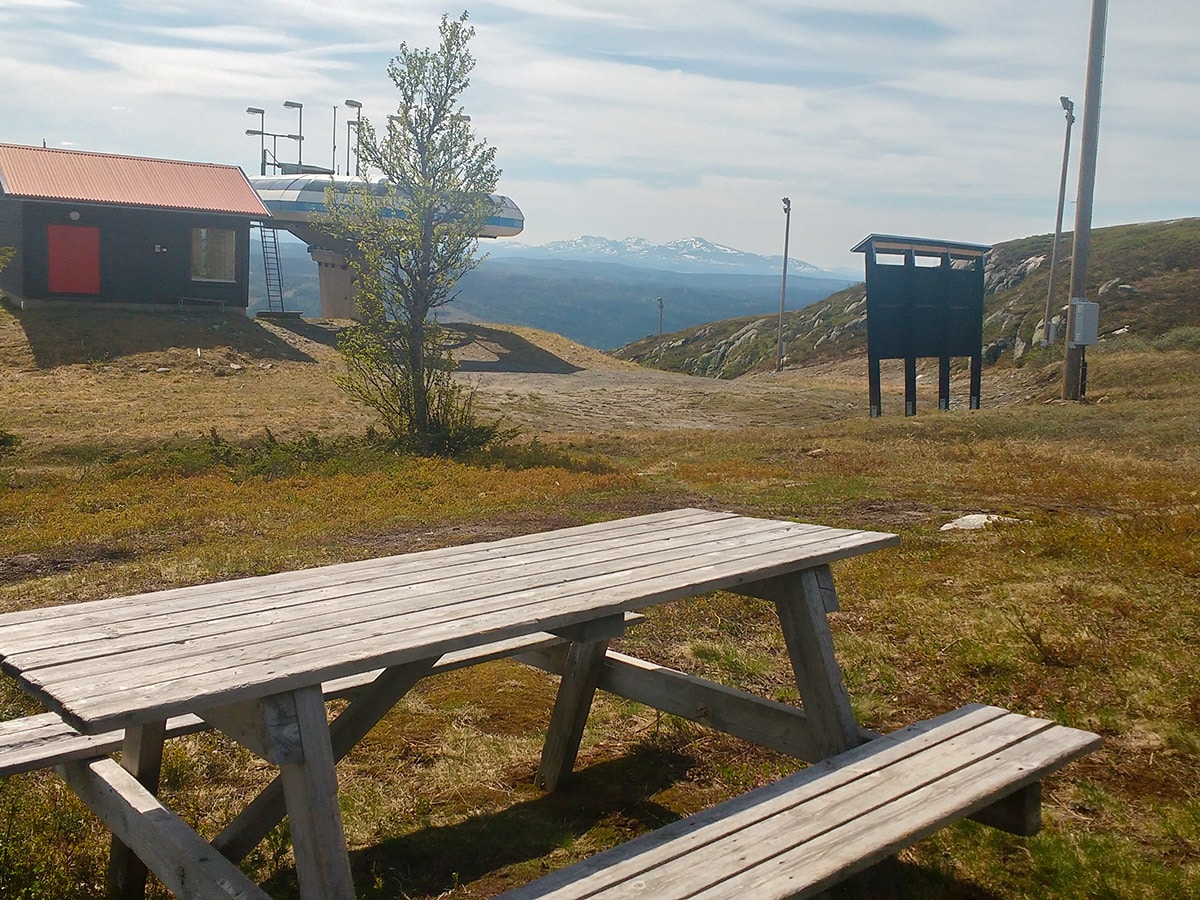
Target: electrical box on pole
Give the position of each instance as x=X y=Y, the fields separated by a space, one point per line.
x=1086 y=321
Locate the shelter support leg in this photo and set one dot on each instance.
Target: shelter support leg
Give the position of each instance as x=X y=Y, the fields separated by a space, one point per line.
x=910 y=386
x=875 y=393
x=976 y=379
x=944 y=382
x=141 y=757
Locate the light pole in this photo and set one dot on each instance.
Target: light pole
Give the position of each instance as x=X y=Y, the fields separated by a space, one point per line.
x=357 y=107
x=787 y=230
x=299 y=107
x=1074 y=365
x=1048 y=326
x=333 y=158
x=262 y=130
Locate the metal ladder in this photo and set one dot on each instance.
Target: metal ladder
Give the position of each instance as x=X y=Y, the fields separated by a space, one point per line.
x=272 y=268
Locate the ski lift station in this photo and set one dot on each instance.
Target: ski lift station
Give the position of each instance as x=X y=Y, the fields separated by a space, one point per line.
x=296 y=203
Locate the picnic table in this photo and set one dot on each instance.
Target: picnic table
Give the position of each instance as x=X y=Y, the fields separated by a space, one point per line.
x=255 y=658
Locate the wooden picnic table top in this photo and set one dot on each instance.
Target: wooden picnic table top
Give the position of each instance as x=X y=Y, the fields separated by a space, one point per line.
x=132 y=660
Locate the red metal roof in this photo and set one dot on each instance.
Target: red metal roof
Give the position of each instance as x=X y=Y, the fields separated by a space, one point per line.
x=40 y=173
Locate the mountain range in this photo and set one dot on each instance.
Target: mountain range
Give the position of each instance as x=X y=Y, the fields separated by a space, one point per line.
x=599 y=292
x=693 y=254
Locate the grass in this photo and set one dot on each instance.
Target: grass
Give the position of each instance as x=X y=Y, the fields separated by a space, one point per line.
x=1085 y=611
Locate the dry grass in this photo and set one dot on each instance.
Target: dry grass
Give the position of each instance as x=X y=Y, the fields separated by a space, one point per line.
x=1086 y=611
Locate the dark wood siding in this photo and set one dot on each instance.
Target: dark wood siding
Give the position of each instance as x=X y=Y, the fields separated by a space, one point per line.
x=145 y=254
x=11 y=279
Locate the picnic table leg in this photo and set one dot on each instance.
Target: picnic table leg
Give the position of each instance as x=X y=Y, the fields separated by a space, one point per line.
x=804 y=601
x=291 y=730
x=141 y=757
x=310 y=789
x=371 y=704
x=580 y=676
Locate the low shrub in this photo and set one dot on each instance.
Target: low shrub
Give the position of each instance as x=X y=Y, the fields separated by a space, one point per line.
x=8 y=442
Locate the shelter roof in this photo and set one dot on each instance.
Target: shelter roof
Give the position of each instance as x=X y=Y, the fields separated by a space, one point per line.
x=894 y=243
x=73 y=176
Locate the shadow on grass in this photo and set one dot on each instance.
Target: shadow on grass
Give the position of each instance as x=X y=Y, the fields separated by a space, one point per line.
x=506 y=352
x=67 y=334
x=610 y=796
x=476 y=348
x=318 y=331
x=610 y=801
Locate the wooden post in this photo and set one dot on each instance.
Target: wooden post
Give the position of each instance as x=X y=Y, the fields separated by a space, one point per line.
x=976 y=380
x=266 y=810
x=802 y=600
x=874 y=391
x=581 y=674
x=944 y=383
x=910 y=386
x=141 y=757
x=310 y=788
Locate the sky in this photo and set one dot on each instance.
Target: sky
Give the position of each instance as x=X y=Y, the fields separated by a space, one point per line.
x=662 y=119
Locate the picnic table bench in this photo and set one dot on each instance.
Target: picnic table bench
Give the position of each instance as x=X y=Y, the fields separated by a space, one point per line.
x=257 y=657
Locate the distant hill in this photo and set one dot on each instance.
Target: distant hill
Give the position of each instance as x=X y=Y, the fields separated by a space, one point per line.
x=600 y=303
x=1146 y=278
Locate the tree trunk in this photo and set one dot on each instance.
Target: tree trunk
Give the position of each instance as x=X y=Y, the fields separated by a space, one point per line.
x=416 y=356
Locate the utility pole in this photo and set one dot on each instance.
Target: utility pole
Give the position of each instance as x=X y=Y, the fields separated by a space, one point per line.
x=660 y=316
x=1047 y=324
x=1075 y=365
x=787 y=230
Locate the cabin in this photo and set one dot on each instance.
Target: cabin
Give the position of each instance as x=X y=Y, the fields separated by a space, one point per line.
x=133 y=231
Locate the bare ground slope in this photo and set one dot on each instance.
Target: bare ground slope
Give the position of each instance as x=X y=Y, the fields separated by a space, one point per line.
x=75 y=375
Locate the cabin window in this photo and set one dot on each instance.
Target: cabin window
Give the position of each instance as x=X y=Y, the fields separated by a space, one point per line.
x=214 y=254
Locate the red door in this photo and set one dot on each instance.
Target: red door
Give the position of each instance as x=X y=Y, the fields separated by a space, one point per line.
x=74 y=252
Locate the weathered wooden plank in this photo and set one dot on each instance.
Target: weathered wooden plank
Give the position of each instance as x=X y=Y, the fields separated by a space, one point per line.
x=188 y=866
x=748 y=854
x=830 y=857
x=141 y=757
x=207 y=598
x=298 y=608
x=803 y=834
x=45 y=740
x=688 y=835
x=379 y=595
x=220 y=601
x=315 y=822
x=344 y=650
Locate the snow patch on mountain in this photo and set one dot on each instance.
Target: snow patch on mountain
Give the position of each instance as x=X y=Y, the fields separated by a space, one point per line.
x=693 y=254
